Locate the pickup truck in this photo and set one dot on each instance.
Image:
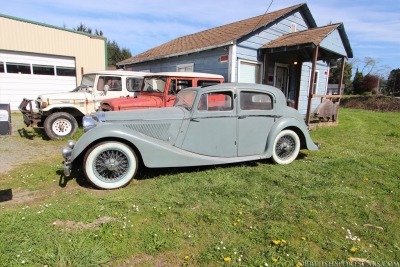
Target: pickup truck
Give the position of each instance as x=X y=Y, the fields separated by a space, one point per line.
x=160 y=90
x=59 y=113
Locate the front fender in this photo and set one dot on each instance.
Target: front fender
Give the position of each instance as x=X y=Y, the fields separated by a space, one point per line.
x=297 y=126
x=61 y=106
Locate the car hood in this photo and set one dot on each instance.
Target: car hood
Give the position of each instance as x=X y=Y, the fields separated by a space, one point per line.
x=141 y=101
x=143 y=114
x=65 y=96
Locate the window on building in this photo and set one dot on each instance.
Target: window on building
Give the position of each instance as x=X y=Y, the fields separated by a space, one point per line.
x=43 y=69
x=221 y=101
x=20 y=68
x=293 y=27
x=255 y=101
x=65 y=71
x=1 y=67
x=185 y=67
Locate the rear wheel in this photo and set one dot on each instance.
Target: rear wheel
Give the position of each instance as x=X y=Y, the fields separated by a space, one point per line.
x=110 y=165
x=59 y=125
x=286 y=147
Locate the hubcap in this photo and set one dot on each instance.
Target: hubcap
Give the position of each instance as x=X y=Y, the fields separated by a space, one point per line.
x=111 y=165
x=285 y=147
x=62 y=127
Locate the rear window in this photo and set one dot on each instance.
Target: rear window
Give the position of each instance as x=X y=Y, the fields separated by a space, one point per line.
x=255 y=101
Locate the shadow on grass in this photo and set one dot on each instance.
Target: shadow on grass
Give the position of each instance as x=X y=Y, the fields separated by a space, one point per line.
x=32 y=133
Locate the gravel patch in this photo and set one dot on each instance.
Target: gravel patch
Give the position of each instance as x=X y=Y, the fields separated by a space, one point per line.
x=25 y=145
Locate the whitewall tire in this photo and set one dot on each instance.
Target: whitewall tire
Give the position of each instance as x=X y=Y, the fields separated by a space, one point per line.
x=286 y=147
x=110 y=165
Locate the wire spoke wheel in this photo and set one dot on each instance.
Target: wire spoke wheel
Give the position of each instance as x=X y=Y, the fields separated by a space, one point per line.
x=110 y=165
x=286 y=147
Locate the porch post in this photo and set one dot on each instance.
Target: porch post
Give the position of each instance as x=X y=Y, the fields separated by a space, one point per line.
x=341 y=76
x=311 y=89
x=266 y=58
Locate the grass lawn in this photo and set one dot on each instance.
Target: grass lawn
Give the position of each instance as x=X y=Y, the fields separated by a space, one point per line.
x=340 y=204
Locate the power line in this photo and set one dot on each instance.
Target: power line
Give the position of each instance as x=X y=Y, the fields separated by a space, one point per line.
x=263 y=15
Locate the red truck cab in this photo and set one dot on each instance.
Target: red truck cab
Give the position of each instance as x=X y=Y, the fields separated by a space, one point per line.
x=159 y=90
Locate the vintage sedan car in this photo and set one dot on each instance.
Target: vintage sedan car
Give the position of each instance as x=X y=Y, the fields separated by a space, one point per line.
x=218 y=124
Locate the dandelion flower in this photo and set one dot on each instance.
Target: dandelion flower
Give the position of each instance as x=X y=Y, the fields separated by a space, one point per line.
x=303 y=238
x=240 y=213
x=276 y=242
x=365 y=179
x=283 y=241
x=174 y=231
x=353 y=249
x=186 y=257
x=299 y=264
x=227 y=259
x=274 y=259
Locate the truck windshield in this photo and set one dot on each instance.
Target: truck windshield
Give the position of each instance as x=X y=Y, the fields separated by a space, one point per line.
x=88 y=80
x=154 y=84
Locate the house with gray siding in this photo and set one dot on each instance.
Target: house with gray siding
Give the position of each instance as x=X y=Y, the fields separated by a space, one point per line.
x=284 y=48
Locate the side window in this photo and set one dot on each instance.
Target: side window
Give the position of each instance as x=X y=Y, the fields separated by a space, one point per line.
x=1 y=66
x=133 y=84
x=203 y=83
x=221 y=101
x=109 y=83
x=177 y=85
x=255 y=101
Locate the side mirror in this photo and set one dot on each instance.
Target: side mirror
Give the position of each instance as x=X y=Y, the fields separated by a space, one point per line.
x=105 y=89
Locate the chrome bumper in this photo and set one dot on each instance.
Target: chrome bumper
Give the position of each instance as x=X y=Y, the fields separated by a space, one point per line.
x=67 y=153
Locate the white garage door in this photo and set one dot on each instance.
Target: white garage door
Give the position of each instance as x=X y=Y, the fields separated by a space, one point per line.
x=249 y=72
x=28 y=75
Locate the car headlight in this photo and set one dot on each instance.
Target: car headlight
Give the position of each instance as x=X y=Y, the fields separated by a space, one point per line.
x=88 y=123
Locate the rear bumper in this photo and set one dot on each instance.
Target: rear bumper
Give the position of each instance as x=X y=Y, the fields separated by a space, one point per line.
x=30 y=118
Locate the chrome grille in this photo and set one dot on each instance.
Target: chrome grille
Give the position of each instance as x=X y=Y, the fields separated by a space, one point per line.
x=157 y=130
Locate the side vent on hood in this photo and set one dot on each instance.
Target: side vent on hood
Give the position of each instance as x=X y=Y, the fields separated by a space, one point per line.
x=157 y=130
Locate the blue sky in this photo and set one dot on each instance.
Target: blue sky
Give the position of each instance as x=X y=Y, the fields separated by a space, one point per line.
x=372 y=26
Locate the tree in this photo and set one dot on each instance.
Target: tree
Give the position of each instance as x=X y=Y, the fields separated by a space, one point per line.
x=334 y=75
x=369 y=83
x=393 y=82
x=357 y=82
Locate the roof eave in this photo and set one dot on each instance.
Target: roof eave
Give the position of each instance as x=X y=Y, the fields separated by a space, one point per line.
x=176 y=54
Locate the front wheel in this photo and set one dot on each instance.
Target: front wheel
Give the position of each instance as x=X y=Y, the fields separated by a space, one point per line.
x=286 y=147
x=110 y=165
x=59 y=125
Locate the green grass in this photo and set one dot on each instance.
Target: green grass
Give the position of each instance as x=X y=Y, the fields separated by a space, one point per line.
x=245 y=214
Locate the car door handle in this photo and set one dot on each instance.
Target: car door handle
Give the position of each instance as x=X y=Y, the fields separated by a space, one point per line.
x=194 y=120
x=242 y=117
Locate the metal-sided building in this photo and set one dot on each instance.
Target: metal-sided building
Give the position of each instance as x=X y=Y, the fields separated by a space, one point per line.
x=39 y=58
x=284 y=48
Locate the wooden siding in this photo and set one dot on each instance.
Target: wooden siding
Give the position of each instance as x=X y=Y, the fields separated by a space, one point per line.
x=25 y=36
x=334 y=43
x=305 y=85
x=247 y=47
x=207 y=62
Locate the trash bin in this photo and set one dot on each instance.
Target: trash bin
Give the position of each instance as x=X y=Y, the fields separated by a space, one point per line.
x=5 y=119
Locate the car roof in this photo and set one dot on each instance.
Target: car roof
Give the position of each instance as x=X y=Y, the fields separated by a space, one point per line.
x=187 y=74
x=118 y=72
x=249 y=86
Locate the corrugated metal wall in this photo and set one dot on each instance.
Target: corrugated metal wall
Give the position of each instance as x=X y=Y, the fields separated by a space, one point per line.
x=27 y=36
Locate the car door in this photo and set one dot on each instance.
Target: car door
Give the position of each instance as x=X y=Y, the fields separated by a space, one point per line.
x=256 y=115
x=107 y=87
x=212 y=127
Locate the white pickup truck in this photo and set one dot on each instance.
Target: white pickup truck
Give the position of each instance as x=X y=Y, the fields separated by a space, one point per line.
x=59 y=113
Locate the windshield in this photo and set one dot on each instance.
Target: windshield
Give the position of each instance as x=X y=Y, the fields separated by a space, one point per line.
x=154 y=84
x=185 y=98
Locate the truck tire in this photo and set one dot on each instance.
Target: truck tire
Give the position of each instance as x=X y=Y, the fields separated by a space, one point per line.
x=59 y=125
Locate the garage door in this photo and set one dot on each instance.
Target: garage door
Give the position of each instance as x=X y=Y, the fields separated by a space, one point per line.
x=28 y=75
x=249 y=72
